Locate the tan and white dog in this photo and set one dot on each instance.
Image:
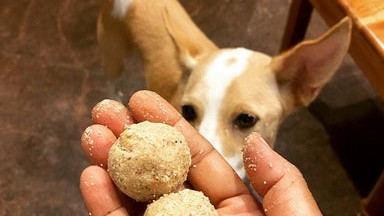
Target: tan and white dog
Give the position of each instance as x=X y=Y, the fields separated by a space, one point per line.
x=225 y=93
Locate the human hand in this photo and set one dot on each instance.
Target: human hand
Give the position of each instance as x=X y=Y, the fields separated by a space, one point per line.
x=282 y=186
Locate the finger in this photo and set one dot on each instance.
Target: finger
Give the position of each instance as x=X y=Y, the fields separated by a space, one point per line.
x=210 y=173
x=148 y=106
x=99 y=193
x=112 y=114
x=96 y=142
x=278 y=181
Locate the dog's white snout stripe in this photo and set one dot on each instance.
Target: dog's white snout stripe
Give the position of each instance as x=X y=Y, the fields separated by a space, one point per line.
x=220 y=74
x=120 y=8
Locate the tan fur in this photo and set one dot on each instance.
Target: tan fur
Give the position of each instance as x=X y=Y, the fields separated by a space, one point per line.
x=144 y=28
x=177 y=55
x=307 y=67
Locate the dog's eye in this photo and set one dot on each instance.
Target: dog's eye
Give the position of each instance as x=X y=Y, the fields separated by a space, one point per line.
x=189 y=113
x=244 y=121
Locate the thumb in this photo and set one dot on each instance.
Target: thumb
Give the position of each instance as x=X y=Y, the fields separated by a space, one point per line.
x=278 y=181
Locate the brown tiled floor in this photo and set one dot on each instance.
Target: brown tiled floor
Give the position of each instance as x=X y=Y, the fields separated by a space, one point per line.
x=50 y=77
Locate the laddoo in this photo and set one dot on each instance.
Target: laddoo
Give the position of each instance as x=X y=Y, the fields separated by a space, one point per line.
x=149 y=160
x=183 y=203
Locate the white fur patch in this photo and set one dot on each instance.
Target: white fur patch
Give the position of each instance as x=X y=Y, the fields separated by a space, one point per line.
x=120 y=8
x=223 y=70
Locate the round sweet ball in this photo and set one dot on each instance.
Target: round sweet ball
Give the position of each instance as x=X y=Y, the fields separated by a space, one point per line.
x=149 y=160
x=184 y=202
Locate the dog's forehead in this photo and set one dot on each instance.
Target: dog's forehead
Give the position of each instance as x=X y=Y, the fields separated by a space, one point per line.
x=219 y=69
x=234 y=57
x=227 y=65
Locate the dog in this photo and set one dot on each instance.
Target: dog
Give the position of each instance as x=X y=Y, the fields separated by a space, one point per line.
x=224 y=93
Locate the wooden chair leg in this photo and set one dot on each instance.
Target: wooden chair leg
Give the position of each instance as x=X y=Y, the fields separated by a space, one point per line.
x=298 y=20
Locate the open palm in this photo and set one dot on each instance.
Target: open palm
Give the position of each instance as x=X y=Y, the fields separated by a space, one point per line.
x=281 y=185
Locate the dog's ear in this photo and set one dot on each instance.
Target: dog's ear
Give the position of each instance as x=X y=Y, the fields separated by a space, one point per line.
x=190 y=42
x=304 y=70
